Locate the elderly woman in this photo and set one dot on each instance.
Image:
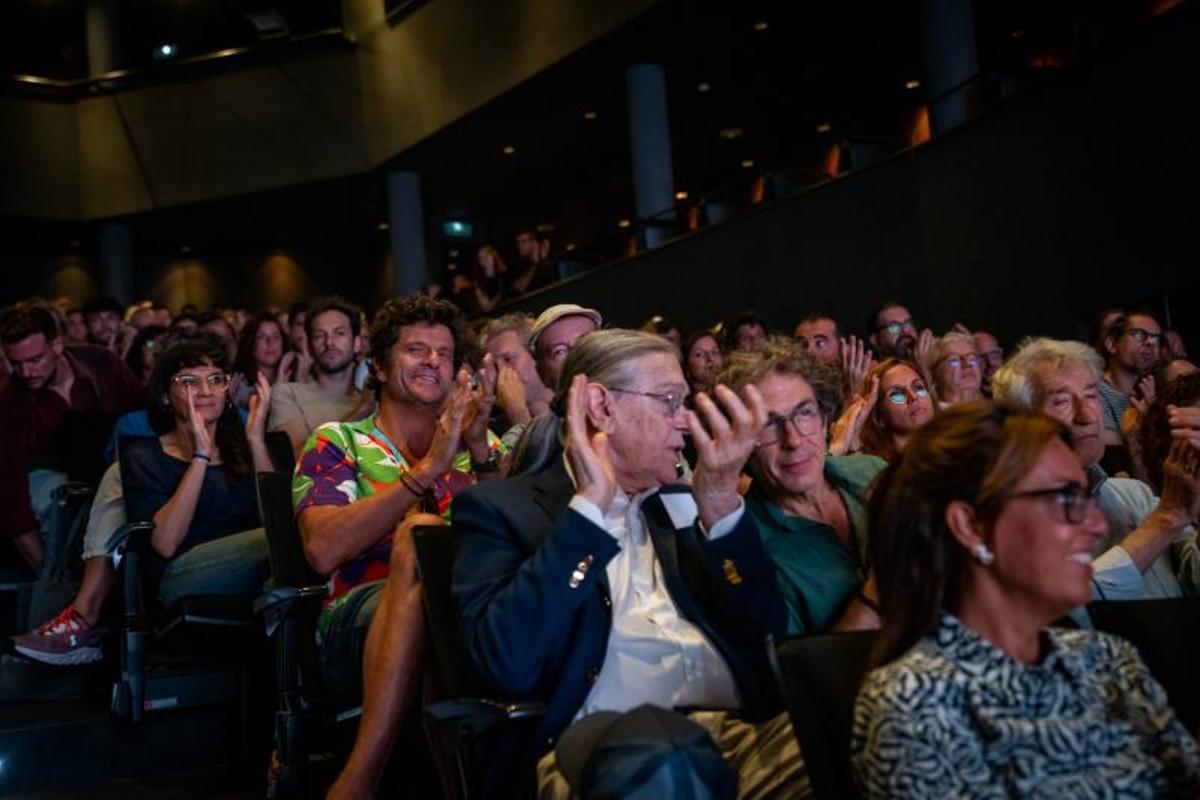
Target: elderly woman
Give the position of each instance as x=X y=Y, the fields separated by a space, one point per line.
x=956 y=370
x=904 y=405
x=982 y=534
x=809 y=507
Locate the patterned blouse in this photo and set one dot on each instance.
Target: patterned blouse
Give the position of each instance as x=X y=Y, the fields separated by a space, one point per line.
x=956 y=717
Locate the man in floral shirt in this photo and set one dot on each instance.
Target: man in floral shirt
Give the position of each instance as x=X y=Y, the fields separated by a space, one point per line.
x=360 y=487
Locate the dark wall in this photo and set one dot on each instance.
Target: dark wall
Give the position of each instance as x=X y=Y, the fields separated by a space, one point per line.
x=1072 y=197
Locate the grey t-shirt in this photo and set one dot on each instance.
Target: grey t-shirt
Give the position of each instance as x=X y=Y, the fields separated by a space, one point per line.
x=299 y=408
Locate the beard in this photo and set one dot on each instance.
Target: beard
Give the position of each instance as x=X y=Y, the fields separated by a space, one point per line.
x=331 y=363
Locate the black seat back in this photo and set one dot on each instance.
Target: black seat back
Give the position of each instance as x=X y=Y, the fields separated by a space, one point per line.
x=289 y=567
x=279 y=448
x=452 y=670
x=820 y=677
x=1167 y=635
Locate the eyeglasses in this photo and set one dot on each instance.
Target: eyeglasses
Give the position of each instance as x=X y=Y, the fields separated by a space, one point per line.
x=216 y=380
x=895 y=327
x=958 y=362
x=1073 y=498
x=899 y=396
x=671 y=400
x=805 y=418
x=1141 y=336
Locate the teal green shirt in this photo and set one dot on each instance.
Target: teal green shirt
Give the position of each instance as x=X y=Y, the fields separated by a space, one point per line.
x=817 y=574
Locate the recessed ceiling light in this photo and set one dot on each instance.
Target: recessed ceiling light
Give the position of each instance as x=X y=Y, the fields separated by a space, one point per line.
x=165 y=50
x=187 y=248
x=1017 y=34
x=747 y=163
x=589 y=115
x=913 y=84
x=546 y=227
x=760 y=26
x=702 y=87
x=824 y=127
x=509 y=150
x=681 y=195
x=454 y=254
x=730 y=133
x=570 y=245
x=624 y=223
x=383 y=226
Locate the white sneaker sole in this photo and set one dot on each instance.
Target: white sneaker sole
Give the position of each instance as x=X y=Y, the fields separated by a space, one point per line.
x=80 y=655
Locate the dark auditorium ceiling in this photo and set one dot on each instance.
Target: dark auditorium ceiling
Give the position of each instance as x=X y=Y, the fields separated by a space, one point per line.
x=790 y=79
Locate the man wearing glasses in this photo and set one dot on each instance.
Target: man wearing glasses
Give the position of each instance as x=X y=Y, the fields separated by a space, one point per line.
x=1132 y=348
x=892 y=332
x=49 y=380
x=809 y=506
x=1151 y=547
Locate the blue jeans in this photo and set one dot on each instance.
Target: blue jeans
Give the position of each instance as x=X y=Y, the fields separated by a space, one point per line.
x=234 y=564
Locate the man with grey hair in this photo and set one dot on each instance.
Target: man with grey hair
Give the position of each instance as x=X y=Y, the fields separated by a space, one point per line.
x=600 y=586
x=520 y=393
x=555 y=332
x=1151 y=548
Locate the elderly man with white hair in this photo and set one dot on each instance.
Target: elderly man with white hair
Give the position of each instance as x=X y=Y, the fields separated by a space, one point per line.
x=1151 y=547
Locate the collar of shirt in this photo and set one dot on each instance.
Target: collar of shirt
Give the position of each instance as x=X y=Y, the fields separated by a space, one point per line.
x=977 y=656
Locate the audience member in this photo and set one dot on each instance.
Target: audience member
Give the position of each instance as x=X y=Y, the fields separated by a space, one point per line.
x=103 y=315
x=520 y=393
x=74 y=328
x=143 y=350
x=213 y=322
x=357 y=488
x=195 y=481
x=661 y=326
x=533 y=271
x=809 y=507
x=702 y=360
x=891 y=331
x=1100 y=326
x=487 y=284
x=991 y=356
x=553 y=335
x=1062 y=379
x=162 y=315
x=49 y=379
x=981 y=536
x=956 y=370
x=904 y=406
x=298 y=407
x=1178 y=367
x=1174 y=345
x=297 y=320
x=819 y=336
x=564 y=598
x=1157 y=432
x=745 y=331
x=186 y=321
x=1132 y=348
x=263 y=350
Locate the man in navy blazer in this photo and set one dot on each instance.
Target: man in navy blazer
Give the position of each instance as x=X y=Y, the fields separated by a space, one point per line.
x=594 y=583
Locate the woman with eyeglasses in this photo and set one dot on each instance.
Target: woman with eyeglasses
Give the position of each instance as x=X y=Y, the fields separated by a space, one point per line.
x=982 y=534
x=957 y=372
x=904 y=405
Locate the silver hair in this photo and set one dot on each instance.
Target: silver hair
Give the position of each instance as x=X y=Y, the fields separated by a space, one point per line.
x=950 y=338
x=1011 y=385
x=517 y=323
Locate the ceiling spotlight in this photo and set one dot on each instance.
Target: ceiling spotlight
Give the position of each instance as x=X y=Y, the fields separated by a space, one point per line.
x=589 y=115
x=730 y=133
x=760 y=26
x=383 y=226
x=681 y=195
x=702 y=87
x=747 y=163
x=1017 y=34
x=509 y=150
x=570 y=245
x=824 y=127
x=913 y=84
x=624 y=223
x=165 y=50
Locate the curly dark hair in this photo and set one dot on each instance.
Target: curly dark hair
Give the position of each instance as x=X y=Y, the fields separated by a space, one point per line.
x=780 y=355
x=1155 y=434
x=413 y=309
x=245 y=362
x=25 y=319
x=199 y=349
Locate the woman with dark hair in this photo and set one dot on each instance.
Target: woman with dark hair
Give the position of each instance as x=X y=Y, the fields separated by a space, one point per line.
x=701 y=359
x=194 y=480
x=1155 y=430
x=488 y=279
x=261 y=351
x=143 y=350
x=904 y=405
x=981 y=535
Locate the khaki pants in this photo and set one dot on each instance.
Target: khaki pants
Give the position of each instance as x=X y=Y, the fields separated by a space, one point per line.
x=766 y=758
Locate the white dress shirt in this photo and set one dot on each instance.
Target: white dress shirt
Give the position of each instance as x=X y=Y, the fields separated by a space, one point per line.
x=654 y=655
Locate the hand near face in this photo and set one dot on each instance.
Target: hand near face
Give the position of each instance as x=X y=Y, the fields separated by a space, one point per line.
x=510 y=394
x=287 y=366
x=260 y=404
x=735 y=429
x=201 y=441
x=1181 y=480
x=856 y=362
x=844 y=436
x=448 y=433
x=1185 y=423
x=479 y=411
x=595 y=478
x=923 y=354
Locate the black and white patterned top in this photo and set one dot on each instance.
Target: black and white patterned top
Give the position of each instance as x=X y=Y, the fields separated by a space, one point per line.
x=956 y=717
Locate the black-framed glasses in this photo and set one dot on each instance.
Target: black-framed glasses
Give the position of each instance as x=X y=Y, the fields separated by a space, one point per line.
x=672 y=400
x=805 y=418
x=1141 y=336
x=1074 y=499
x=899 y=396
x=216 y=380
x=895 y=327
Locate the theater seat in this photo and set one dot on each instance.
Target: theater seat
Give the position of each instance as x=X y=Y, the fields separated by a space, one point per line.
x=820 y=677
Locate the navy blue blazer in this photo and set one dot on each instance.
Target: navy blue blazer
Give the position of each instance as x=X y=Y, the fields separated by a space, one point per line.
x=533 y=596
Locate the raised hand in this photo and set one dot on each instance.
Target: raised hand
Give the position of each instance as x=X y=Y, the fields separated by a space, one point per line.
x=202 y=444
x=845 y=433
x=448 y=433
x=923 y=354
x=483 y=395
x=260 y=405
x=723 y=452
x=595 y=478
x=1185 y=423
x=1181 y=480
x=287 y=367
x=856 y=362
x=510 y=394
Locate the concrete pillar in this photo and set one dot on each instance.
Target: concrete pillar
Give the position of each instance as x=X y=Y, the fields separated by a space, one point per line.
x=650 y=149
x=407 y=232
x=103 y=43
x=950 y=59
x=116 y=261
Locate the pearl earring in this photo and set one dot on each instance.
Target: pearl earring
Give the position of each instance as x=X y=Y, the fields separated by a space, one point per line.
x=983 y=554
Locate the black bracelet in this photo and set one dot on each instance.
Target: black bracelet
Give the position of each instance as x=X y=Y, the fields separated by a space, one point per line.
x=869 y=603
x=412 y=484
x=201 y=457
